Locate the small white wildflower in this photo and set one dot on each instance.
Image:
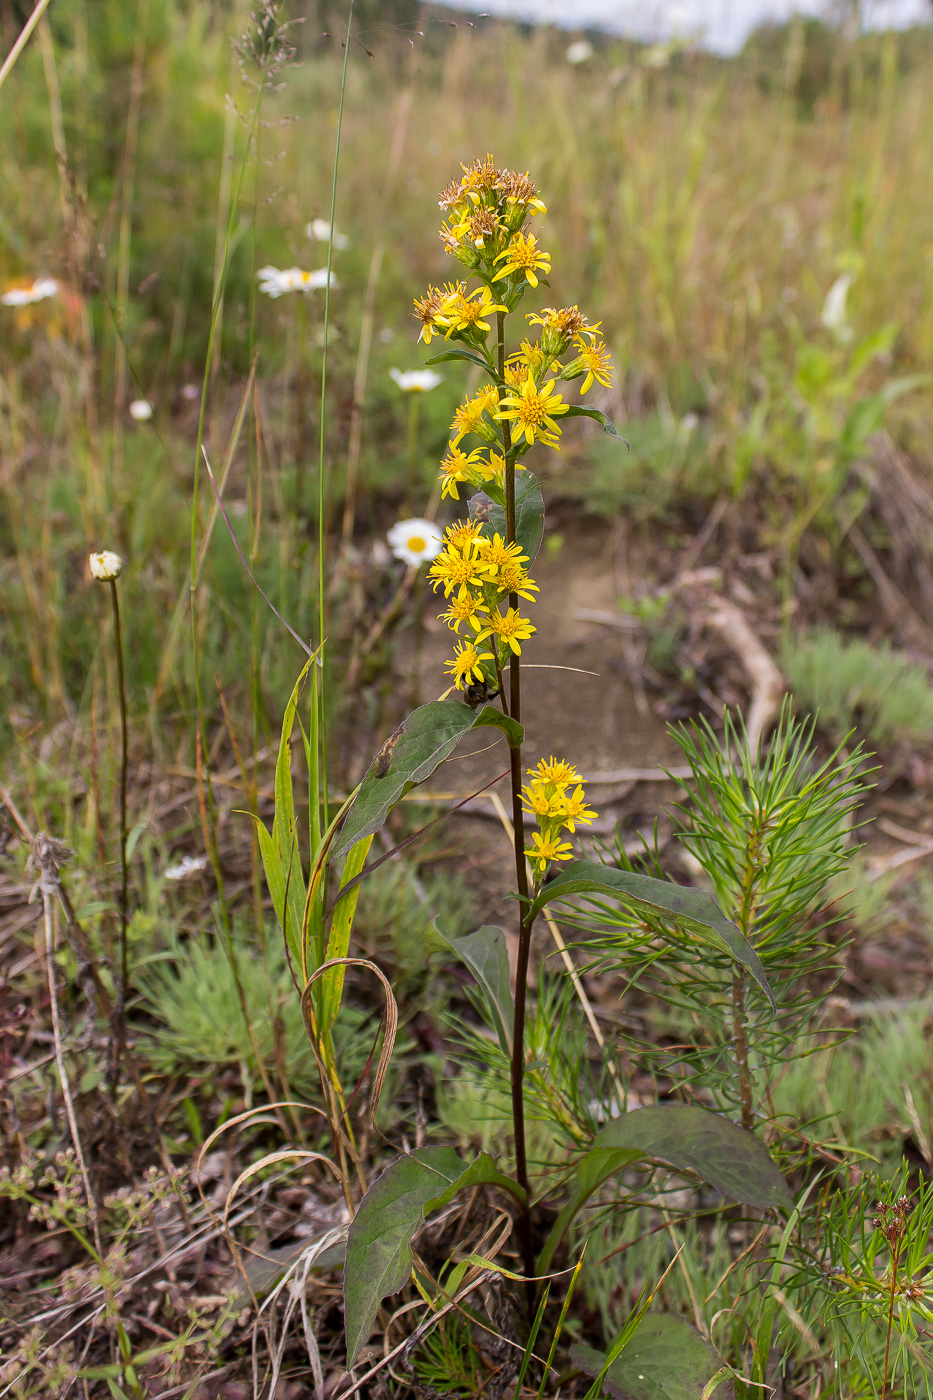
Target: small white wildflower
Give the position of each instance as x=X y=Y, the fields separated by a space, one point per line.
x=320 y=229
x=834 y=315
x=416 y=381
x=141 y=410
x=37 y=290
x=579 y=51
x=105 y=565
x=188 y=865
x=415 y=541
x=276 y=283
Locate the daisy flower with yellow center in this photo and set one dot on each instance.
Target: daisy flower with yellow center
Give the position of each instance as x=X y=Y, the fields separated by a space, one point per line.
x=469 y=416
x=523 y=255
x=455 y=567
x=465 y=607
x=512 y=578
x=465 y=666
x=510 y=628
x=574 y=809
x=547 y=847
x=415 y=541
x=532 y=412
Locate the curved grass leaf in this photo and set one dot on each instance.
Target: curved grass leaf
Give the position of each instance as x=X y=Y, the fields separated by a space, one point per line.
x=585 y=410
x=484 y=952
x=693 y=910
x=688 y=1137
x=379 y=1240
x=529 y=514
x=421 y=742
x=667 y=1359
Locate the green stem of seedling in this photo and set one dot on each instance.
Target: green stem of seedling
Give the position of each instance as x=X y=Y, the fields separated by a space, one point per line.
x=124 y=874
x=521 y=870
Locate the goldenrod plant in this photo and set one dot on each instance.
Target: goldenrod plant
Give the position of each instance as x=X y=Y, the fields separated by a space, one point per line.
x=481 y=576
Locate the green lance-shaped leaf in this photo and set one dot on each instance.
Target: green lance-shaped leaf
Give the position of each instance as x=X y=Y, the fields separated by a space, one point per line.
x=484 y=952
x=585 y=410
x=338 y=943
x=529 y=514
x=460 y=352
x=281 y=855
x=692 y=910
x=691 y=1138
x=379 y=1239
x=421 y=742
x=667 y=1359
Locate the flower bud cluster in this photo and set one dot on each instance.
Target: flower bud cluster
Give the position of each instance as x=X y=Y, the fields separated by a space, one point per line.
x=477 y=575
x=547 y=798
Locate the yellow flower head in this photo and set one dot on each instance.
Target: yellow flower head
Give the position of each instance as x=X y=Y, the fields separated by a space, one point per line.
x=456 y=567
x=545 y=848
x=574 y=809
x=534 y=357
x=510 y=628
x=520 y=189
x=467 y=313
x=538 y=802
x=464 y=664
x=593 y=361
x=523 y=255
x=457 y=468
x=560 y=325
x=512 y=578
x=463 y=532
x=497 y=554
x=469 y=416
x=555 y=770
x=532 y=411
x=465 y=607
x=479 y=177
x=427 y=309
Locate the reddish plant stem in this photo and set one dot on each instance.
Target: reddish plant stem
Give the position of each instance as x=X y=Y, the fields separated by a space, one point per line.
x=521 y=871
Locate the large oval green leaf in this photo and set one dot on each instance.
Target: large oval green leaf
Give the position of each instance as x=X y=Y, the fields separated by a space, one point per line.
x=667 y=1359
x=529 y=514
x=693 y=910
x=485 y=953
x=691 y=1138
x=379 y=1239
x=421 y=742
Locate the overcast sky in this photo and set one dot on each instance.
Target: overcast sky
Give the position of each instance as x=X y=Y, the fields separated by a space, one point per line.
x=723 y=25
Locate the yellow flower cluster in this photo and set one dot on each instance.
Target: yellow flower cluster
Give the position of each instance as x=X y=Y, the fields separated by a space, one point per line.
x=547 y=797
x=477 y=574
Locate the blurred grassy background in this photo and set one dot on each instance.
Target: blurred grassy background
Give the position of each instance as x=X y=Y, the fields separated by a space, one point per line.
x=701 y=208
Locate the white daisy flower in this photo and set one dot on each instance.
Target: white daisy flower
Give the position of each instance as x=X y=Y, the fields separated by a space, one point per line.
x=416 y=381
x=188 y=865
x=141 y=410
x=834 y=315
x=105 y=565
x=320 y=229
x=38 y=290
x=415 y=541
x=276 y=283
x=579 y=51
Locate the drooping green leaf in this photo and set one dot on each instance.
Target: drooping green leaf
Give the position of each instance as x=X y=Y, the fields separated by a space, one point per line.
x=585 y=410
x=529 y=514
x=460 y=352
x=421 y=742
x=690 y=1138
x=484 y=952
x=379 y=1239
x=667 y=1359
x=693 y=910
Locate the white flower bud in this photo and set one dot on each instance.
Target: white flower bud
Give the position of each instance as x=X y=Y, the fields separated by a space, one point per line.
x=105 y=566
